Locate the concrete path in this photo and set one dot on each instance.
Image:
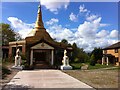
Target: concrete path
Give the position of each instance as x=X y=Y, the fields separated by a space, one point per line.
x=45 y=79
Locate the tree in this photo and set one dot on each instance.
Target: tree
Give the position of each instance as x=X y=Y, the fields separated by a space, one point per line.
x=8 y=34
x=97 y=54
x=92 y=60
x=74 y=54
x=79 y=55
x=64 y=41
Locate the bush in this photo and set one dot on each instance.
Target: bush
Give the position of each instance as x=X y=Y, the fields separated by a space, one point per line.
x=92 y=62
x=23 y=57
x=26 y=66
x=76 y=60
x=5 y=71
x=23 y=62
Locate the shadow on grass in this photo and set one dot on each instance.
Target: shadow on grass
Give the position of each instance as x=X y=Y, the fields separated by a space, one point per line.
x=16 y=87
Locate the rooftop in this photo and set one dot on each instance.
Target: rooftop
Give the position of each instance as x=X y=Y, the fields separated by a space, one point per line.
x=113 y=46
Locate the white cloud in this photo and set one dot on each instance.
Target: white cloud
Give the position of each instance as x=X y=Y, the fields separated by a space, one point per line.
x=55 y=5
x=91 y=17
x=73 y=17
x=114 y=34
x=52 y=21
x=58 y=32
x=22 y=28
x=87 y=35
x=82 y=9
x=88 y=29
x=102 y=33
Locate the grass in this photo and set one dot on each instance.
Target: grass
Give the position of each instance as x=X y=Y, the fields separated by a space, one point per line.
x=98 y=66
x=96 y=78
x=77 y=66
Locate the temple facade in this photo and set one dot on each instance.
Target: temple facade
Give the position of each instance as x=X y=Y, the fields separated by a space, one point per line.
x=38 y=45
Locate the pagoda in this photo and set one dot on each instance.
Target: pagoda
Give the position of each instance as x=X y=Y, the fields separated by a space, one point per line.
x=38 y=46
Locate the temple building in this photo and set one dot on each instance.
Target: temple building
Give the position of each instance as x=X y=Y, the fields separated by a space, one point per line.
x=38 y=45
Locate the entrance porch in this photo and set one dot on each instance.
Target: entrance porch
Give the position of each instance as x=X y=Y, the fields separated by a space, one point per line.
x=42 y=55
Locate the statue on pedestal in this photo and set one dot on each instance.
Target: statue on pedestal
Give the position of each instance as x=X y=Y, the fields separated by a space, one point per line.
x=65 y=62
x=65 y=59
x=17 y=58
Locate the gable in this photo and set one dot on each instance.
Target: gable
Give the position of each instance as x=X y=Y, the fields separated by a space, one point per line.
x=42 y=46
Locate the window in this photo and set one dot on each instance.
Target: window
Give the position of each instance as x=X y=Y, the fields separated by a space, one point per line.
x=116 y=50
x=105 y=51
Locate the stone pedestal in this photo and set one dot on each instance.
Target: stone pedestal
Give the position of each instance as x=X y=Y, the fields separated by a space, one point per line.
x=66 y=67
x=17 y=67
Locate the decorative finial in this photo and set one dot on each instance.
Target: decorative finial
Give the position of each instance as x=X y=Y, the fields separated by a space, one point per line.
x=39 y=22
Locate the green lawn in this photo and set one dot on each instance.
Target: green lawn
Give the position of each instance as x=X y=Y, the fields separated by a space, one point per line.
x=76 y=65
x=97 y=66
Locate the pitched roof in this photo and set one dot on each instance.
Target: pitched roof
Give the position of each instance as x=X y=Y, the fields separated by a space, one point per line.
x=113 y=46
x=43 y=35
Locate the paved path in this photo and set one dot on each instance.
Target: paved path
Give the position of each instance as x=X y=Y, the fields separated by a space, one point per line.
x=45 y=79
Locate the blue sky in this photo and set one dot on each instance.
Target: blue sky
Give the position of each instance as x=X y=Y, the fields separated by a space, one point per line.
x=89 y=24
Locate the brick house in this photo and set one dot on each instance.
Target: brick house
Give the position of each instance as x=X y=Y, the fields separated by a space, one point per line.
x=111 y=54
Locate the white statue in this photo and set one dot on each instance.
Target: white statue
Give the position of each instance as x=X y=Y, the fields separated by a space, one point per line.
x=17 y=58
x=65 y=62
x=65 y=59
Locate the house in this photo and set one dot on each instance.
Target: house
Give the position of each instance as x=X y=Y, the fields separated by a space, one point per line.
x=111 y=54
x=38 y=46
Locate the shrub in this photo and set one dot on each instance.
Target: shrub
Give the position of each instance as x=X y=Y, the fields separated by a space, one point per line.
x=5 y=71
x=23 y=57
x=23 y=62
x=76 y=60
x=92 y=62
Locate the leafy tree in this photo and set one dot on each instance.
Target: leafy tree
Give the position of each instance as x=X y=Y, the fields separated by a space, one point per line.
x=82 y=55
x=79 y=54
x=92 y=60
x=64 y=41
x=8 y=34
x=75 y=49
x=97 y=54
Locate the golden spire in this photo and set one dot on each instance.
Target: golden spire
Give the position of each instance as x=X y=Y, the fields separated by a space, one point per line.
x=39 y=22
